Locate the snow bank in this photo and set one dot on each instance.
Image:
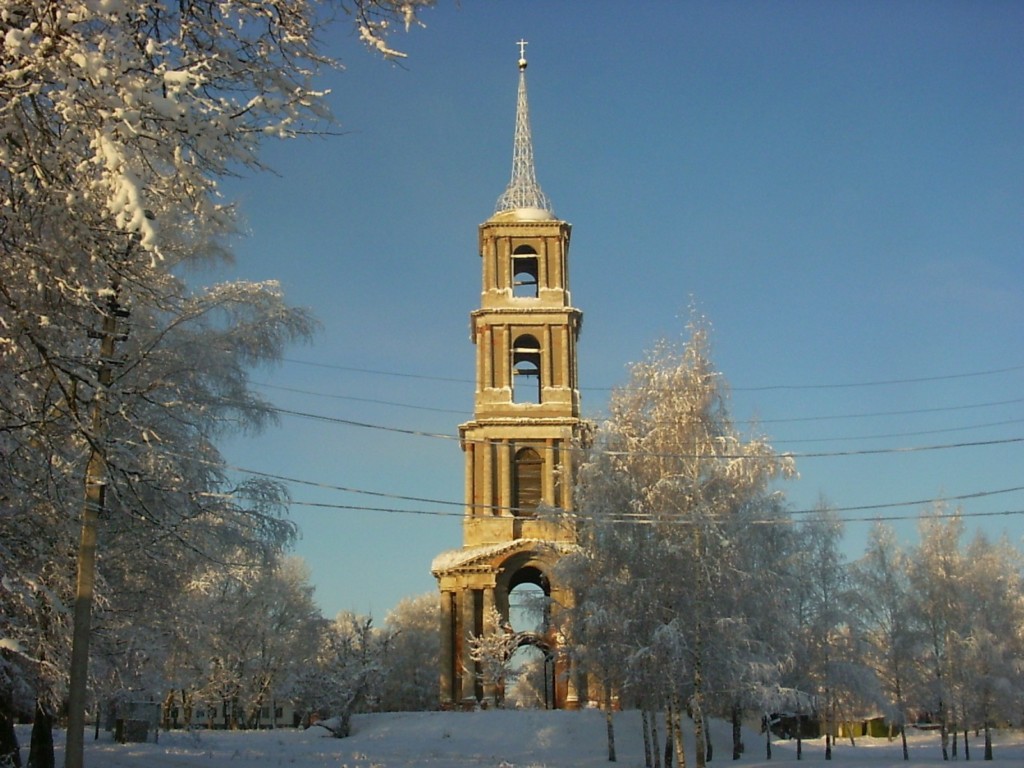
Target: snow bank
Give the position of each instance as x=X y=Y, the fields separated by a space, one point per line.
x=495 y=739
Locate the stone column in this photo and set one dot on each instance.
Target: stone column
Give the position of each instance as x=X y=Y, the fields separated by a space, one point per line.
x=490 y=689
x=468 y=666
x=447 y=629
x=485 y=378
x=550 y=467
x=506 y=467
x=487 y=470
x=548 y=361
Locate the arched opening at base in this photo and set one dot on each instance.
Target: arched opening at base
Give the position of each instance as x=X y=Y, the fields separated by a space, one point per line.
x=528 y=608
x=534 y=685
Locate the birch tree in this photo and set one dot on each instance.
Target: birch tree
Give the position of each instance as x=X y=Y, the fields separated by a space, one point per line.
x=937 y=578
x=247 y=634
x=491 y=651
x=994 y=608
x=685 y=475
x=410 y=683
x=823 y=614
x=117 y=121
x=346 y=674
x=894 y=642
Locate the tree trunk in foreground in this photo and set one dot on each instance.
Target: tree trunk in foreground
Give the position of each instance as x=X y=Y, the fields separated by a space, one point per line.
x=737 y=733
x=645 y=723
x=9 y=751
x=609 y=725
x=655 y=742
x=677 y=730
x=40 y=753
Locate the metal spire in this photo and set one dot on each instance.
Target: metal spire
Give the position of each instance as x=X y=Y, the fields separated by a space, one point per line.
x=523 y=191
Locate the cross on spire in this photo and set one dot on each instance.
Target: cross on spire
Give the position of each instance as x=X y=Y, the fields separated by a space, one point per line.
x=523 y=191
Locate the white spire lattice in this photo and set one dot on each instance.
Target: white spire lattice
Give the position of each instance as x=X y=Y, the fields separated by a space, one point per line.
x=523 y=191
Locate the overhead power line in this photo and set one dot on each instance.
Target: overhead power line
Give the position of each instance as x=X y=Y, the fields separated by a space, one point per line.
x=751 y=388
x=784 y=520
x=371 y=400
x=376 y=372
x=880 y=382
x=918 y=433
x=463 y=412
x=792 y=455
x=494 y=508
x=875 y=414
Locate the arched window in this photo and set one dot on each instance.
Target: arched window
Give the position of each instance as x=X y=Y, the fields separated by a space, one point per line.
x=527 y=490
x=524 y=273
x=526 y=370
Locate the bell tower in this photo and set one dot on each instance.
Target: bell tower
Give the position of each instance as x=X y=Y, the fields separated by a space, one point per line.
x=518 y=445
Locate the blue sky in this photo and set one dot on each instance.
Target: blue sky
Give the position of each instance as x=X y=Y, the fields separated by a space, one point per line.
x=838 y=187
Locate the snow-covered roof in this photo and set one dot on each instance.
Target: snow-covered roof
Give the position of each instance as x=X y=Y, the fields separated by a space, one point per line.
x=468 y=557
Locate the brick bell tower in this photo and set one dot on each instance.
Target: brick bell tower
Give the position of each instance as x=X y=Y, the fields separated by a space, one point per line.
x=518 y=446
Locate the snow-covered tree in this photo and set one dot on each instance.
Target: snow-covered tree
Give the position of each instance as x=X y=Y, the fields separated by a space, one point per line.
x=491 y=652
x=669 y=487
x=883 y=602
x=117 y=122
x=937 y=580
x=346 y=674
x=410 y=677
x=993 y=649
x=823 y=653
x=243 y=637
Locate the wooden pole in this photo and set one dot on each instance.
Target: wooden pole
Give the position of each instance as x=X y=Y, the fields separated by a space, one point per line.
x=95 y=499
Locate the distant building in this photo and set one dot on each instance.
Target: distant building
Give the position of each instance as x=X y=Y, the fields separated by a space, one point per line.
x=526 y=420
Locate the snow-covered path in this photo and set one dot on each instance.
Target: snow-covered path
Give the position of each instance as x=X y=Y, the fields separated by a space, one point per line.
x=494 y=739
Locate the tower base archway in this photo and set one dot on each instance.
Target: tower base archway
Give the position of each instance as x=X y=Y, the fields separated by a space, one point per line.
x=475 y=582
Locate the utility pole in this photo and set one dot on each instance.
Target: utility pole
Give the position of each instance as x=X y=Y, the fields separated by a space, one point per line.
x=95 y=498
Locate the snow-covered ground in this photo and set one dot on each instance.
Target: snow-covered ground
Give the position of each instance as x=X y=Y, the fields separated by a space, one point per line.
x=492 y=739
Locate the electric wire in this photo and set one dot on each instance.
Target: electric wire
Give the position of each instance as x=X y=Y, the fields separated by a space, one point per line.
x=371 y=400
x=753 y=388
x=788 y=454
x=875 y=414
x=791 y=455
x=946 y=430
x=464 y=412
x=781 y=520
x=495 y=508
x=621 y=517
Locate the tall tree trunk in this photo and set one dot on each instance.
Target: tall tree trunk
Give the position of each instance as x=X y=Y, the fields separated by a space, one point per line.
x=698 y=733
x=828 y=731
x=988 y=741
x=655 y=743
x=646 y=724
x=709 y=752
x=9 y=750
x=768 y=738
x=799 y=733
x=903 y=738
x=943 y=731
x=40 y=752
x=737 y=732
x=608 y=723
x=677 y=730
x=668 y=738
